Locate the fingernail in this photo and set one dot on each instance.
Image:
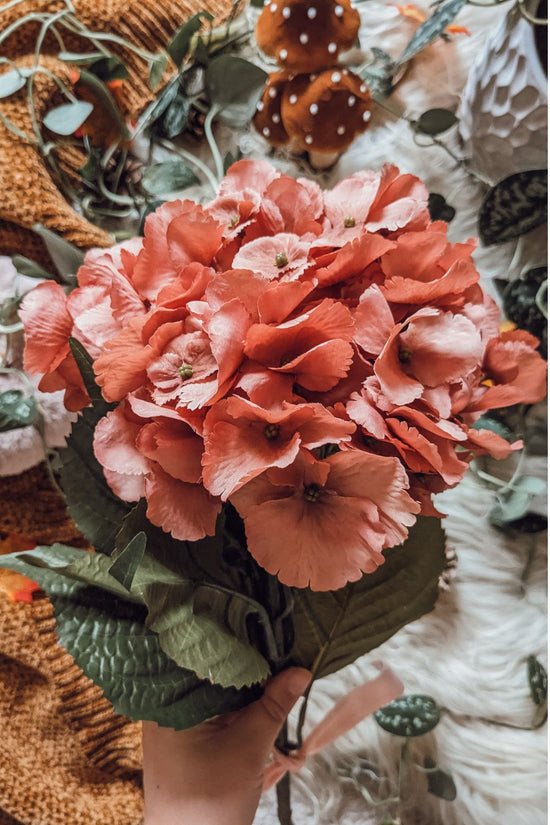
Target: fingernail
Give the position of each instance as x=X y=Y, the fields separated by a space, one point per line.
x=298 y=680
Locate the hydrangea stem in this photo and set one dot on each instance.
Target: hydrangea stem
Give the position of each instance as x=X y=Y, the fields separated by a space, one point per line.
x=284 y=810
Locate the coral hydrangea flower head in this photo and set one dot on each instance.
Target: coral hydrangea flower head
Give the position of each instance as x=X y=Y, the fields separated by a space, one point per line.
x=316 y=359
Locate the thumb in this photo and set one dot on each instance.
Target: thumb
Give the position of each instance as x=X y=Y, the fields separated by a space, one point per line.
x=268 y=714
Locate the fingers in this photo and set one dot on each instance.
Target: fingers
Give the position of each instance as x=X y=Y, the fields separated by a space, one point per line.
x=267 y=715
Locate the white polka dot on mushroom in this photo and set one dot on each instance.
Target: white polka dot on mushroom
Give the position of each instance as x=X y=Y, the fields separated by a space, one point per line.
x=283 y=54
x=273 y=7
x=292 y=99
x=272 y=93
x=341 y=130
x=275 y=118
x=286 y=12
x=338 y=11
x=366 y=116
x=304 y=38
x=363 y=89
x=260 y=105
x=312 y=13
x=313 y=108
x=309 y=140
x=351 y=100
x=265 y=131
x=332 y=48
x=336 y=77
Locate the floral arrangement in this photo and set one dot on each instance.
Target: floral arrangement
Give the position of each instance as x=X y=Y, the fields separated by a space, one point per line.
x=292 y=372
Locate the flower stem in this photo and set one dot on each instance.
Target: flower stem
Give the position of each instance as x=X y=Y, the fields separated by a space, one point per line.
x=284 y=810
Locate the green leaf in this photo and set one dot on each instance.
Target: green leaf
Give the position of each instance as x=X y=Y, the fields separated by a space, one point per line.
x=439 y=209
x=128 y=560
x=332 y=629
x=30 y=268
x=432 y=28
x=97 y=512
x=411 y=715
x=513 y=207
x=234 y=86
x=85 y=366
x=168 y=176
x=66 y=257
x=12 y=81
x=16 y=410
x=70 y=562
x=440 y=782
x=529 y=523
x=178 y=47
x=152 y=206
x=216 y=612
x=92 y=171
x=67 y=118
x=435 y=121
x=108 y=639
x=157 y=107
x=157 y=67
x=109 y=68
x=176 y=117
x=514 y=503
x=538 y=680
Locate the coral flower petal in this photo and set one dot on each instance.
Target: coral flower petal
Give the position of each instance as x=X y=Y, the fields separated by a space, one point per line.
x=48 y=324
x=187 y=511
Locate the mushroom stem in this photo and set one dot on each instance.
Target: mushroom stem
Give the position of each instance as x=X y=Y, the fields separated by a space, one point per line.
x=322 y=160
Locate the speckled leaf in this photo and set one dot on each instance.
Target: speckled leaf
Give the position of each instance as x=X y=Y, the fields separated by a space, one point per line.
x=66 y=257
x=435 y=121
x=234 y=86
x=334 y=628
x=30 y=268
x=514 y=206
x=411 y=715
x=432 y=28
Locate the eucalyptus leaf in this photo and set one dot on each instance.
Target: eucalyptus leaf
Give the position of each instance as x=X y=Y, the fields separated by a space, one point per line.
x=176 y=117
x=157 y=67
x=432 y=28
x=538 y=680
x=178 y=47
x=332 y=629
x=66 y=257
x=16 y=410
x=30 y=268
x=107 y=637
x=435 y=121
x=109 y=68
x=440 y=782
x=514 y=503
x=234 y=86
x=168 y=176
x=157 y=107
x=92 y=171
x=12 y=82
x=67 y=118
x=485 y=422
x=513 y=207
x=411 y=715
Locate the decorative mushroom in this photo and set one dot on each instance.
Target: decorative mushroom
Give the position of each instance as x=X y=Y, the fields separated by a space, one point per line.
x=313 y=105
x=326 y=114
x=306 y=35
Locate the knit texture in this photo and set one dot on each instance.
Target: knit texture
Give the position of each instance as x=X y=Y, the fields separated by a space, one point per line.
x=29 y=192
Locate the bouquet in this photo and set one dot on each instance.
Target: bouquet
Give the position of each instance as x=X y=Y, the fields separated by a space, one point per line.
x=272 y=386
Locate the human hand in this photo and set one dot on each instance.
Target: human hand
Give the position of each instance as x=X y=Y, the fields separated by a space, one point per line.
x=213 y=774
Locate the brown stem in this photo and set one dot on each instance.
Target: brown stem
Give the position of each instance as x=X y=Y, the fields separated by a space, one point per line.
x=284 y=810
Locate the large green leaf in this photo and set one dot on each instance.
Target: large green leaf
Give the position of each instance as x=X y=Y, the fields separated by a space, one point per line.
x=169 y=176
x=97 y=512
x=178 y=47
x=204 y=600
x=514 y=206
x=108 y=639
x=332 y=629
x=67 y=257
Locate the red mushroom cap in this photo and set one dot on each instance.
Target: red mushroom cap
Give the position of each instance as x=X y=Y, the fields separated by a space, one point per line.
x=268 y=120
x=325 y=112
x=305 y=35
